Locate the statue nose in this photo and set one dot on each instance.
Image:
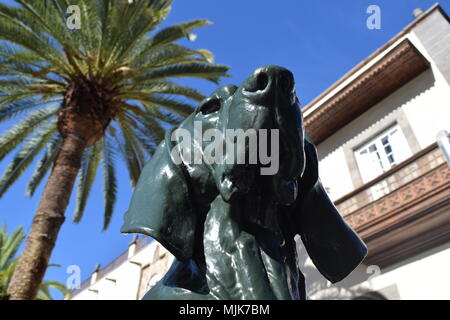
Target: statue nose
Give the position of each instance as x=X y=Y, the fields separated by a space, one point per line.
x=267 y=81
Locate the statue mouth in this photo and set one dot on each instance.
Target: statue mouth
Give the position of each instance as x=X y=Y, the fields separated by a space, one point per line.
x=239 y=179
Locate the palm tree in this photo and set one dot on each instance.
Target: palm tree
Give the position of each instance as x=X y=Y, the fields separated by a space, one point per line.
x=85 y=96
x=9 y=244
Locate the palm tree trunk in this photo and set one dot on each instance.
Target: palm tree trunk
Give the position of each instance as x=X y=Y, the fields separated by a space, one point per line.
x=47 y=221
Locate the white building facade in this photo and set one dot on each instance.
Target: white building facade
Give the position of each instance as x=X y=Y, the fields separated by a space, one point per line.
x=129 y=276
x=375 y=132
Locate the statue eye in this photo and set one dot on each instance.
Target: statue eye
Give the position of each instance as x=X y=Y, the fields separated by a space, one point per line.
x=211 y=106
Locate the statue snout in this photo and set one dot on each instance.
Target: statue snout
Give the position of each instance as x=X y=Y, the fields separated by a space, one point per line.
x=269 y=83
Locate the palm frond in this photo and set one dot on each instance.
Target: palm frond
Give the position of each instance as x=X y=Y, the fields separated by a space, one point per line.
x=145 y=18
x=148 y=132
x=42 y=19
x=167 y=35
x=11 y=106
x=24 y=158
x=86 y=177
x=170 y=118
x=131 y=149
x=16 y=29
x=189 y=70
x=10 y=52
x=170 y=54
x=11 y=139
x=109 y=181
x=44 y=165
x=9 y=244
x=161 y=87
x=44 y=290
x=175 y=106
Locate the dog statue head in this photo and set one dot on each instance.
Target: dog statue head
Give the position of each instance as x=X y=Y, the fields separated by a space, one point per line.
x=184 y=176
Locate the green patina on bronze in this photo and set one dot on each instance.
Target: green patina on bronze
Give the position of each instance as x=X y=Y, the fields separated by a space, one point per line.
x=230 y=228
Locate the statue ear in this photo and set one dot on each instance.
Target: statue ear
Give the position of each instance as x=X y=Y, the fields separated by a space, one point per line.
x=161 y=206
x=335 y=249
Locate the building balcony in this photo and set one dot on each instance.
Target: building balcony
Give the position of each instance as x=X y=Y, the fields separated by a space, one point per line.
x=403 y=212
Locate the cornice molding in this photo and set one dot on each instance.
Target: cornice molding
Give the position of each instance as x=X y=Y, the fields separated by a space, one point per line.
x=402 y=64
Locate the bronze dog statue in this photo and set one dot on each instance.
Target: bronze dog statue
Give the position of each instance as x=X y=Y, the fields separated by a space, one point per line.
x=230 y=228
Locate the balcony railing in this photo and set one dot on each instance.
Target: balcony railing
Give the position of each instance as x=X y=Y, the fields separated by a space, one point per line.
x=407 y=182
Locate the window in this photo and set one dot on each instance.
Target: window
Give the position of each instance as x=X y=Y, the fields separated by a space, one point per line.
x=382 y=153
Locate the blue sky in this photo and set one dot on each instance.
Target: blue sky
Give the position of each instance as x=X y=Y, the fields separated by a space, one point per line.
x=319 y=41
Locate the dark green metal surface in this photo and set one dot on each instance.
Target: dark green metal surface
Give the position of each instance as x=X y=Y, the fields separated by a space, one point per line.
x=230 y=228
